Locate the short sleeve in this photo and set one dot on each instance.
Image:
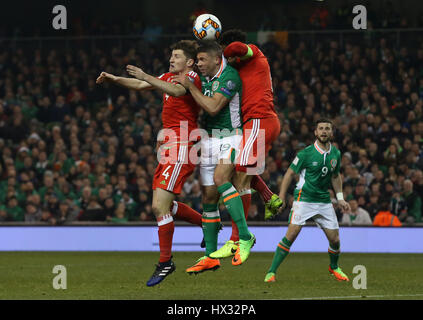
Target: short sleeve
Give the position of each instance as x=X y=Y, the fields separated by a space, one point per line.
x=338 y=164
x=228 y=86
x=164 y=76
x=298 y=162
x=194 y=78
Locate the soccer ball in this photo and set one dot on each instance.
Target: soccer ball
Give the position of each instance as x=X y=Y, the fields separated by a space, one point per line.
x=207 y=27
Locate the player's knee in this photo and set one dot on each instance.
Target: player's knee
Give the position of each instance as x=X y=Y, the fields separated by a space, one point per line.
x=210 y=198
x=334 y=241
x=160 y=210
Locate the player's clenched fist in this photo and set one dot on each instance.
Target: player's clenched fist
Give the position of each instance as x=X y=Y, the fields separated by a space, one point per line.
x=135 y=72
x=104 y=76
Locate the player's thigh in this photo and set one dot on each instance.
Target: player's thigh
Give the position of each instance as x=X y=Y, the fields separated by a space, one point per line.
x=258 y=136
x=228 y=151
x=208 y=160
x=162 y=201
x=326 y=217
x=292 y=232
x=241 y=180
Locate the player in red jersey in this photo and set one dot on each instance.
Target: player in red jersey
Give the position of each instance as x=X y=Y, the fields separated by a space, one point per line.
x=179 y=117
x=261 y=126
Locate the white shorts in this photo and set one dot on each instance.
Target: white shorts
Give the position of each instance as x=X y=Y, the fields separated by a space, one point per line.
x=322 y=213
x=213 y=150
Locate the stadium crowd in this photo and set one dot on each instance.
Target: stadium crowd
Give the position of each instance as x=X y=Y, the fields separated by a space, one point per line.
x=72 y=150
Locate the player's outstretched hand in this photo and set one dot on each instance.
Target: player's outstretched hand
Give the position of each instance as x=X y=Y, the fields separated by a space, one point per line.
x=345 y=206
x=135 y=72
x=182 y=79
x=104 y=76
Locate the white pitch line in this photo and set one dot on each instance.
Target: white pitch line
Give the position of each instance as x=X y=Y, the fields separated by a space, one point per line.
x=362 y=296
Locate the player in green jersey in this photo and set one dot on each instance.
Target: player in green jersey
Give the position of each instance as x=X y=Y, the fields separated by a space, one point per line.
x=221 y=99
x=318 y=166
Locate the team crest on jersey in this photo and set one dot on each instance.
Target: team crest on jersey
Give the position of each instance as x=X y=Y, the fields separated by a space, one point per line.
x=215 y=85
x=333 y=163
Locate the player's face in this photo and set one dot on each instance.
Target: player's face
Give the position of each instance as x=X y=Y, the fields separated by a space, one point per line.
x=207 y=63
x=178 y=61
x=323 y=132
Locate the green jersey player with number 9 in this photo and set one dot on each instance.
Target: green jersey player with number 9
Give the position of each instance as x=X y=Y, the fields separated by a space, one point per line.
x=318 y=166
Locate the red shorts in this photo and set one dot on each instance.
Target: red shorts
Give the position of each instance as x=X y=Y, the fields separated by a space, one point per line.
x=258 y=136
x=172 y=173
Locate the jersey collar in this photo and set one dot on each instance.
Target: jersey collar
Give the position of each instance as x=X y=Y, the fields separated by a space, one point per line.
x=321 y=151
x=221 y=68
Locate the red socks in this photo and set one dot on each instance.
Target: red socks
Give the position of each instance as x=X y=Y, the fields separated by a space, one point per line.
x=246 y=201
x=182 y=211
x=258 y=184
x=166 y=228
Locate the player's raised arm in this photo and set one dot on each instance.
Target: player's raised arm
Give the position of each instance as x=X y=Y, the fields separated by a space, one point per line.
x=238 y=50
x=172 y=89
x=129 y=83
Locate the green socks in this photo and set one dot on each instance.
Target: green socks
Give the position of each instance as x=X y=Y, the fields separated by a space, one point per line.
x=211 y=224
x=281 y=252
x=334 y=255
x=233 y=203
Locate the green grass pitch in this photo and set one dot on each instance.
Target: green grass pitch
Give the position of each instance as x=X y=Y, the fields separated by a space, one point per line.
x=122 y=276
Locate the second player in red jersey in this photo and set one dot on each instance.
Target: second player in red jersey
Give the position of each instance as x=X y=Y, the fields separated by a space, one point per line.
x=261 y=124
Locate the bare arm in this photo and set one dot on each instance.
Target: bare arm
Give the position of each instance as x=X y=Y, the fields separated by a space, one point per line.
x=337 y=186
x=129 y=83
x=172 y=89
x=212 y=105
x=286 y=182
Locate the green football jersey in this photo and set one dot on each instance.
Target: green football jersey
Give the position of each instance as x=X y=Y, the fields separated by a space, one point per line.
x=316 y=168
x=226 y=82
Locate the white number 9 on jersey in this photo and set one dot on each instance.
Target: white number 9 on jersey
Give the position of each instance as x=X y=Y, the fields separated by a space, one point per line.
x=324 y=171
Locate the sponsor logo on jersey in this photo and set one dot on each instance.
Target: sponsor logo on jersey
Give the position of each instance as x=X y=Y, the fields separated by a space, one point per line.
x=225 y=91
x=163 y=182
x=314 y=163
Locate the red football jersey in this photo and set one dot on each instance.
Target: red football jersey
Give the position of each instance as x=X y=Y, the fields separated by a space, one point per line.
x=183 y=108
x=257 y=91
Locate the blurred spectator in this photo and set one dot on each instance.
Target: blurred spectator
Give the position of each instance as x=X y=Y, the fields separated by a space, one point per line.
x=384 y=218
x=357 y=216
x=93 y=211
x=320 y=16
x=413 y=203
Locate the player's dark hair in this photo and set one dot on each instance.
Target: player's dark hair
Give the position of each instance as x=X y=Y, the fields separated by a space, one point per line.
x=323 y=120
x=209 y=46
x=232 y=35
x=189 y=47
